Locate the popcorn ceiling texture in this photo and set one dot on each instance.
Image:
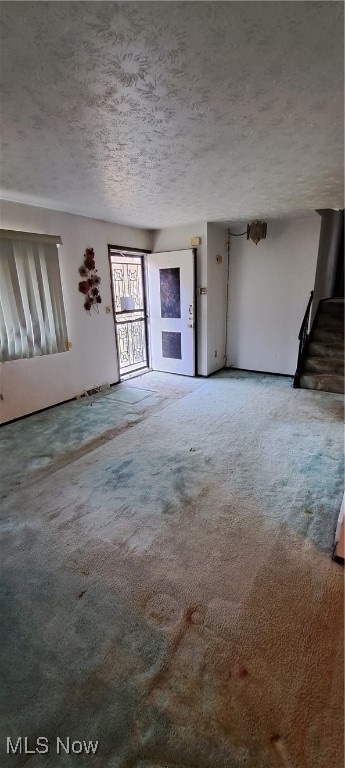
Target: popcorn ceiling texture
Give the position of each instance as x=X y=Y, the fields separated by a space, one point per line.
x=168 y=590
x=155 y=114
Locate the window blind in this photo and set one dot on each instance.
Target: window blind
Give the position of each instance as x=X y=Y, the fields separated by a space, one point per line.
x=32 y=314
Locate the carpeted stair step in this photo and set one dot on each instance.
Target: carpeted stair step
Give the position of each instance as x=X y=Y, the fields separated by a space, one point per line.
x=329 y=335
x=333 y=365
x=333 y=307
x=323 y=365
x=326 y=320
x=322 y=382
x=322 y=349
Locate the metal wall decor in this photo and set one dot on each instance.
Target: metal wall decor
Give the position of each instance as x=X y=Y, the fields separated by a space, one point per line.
x=89 y=286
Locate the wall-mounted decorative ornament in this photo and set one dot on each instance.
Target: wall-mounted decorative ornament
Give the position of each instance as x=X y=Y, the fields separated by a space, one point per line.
x=89 y=286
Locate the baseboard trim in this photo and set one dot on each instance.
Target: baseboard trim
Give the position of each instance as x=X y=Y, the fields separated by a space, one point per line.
x=265 y=373
x=47 y=408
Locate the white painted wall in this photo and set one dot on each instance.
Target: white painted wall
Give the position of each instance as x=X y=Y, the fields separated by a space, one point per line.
x=269 y=288
x=216 y=296
x=268 y=292
x=176 y=239
x=29 y=385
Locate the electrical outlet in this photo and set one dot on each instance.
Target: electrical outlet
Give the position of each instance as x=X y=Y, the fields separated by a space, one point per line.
x=219 y=259
x=107 y=310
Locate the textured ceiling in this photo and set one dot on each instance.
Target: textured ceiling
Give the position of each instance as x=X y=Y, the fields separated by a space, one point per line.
x=161 y=113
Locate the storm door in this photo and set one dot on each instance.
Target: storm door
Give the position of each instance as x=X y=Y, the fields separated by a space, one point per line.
x=127 y=272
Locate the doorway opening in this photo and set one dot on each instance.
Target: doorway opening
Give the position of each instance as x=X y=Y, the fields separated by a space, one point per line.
x=129 y=306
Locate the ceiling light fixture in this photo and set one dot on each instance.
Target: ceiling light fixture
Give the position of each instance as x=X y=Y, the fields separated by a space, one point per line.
x=255 y=231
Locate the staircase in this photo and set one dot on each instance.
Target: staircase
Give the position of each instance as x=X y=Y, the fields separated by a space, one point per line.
x=322 y=364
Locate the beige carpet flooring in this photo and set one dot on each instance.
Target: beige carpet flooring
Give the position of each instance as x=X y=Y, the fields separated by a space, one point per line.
x=170 y=593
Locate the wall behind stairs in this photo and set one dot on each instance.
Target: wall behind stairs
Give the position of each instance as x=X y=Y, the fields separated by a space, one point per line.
x=29 y=385
x=269 y=288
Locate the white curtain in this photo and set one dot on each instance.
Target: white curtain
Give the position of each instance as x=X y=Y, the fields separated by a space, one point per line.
x=32 y=315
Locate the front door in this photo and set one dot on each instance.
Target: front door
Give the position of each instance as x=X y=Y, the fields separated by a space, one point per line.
x=171 y=293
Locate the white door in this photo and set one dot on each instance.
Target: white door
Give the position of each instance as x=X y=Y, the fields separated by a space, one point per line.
x=171 y=305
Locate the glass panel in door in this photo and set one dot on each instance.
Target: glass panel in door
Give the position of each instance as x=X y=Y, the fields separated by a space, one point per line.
x=129 y=308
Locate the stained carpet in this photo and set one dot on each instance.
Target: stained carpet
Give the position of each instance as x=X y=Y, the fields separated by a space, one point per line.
x=167 y=589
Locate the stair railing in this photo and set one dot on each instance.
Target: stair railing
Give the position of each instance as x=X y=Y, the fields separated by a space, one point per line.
x=303 y=337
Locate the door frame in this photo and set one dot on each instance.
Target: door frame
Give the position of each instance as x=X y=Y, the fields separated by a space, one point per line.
x=145 y=252
x=195 y=314
x=142 y=252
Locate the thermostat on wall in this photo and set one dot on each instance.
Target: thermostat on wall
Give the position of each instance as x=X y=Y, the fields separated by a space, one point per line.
x=196 y=241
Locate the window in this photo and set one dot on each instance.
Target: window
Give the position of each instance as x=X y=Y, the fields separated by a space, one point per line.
x=32 y=314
